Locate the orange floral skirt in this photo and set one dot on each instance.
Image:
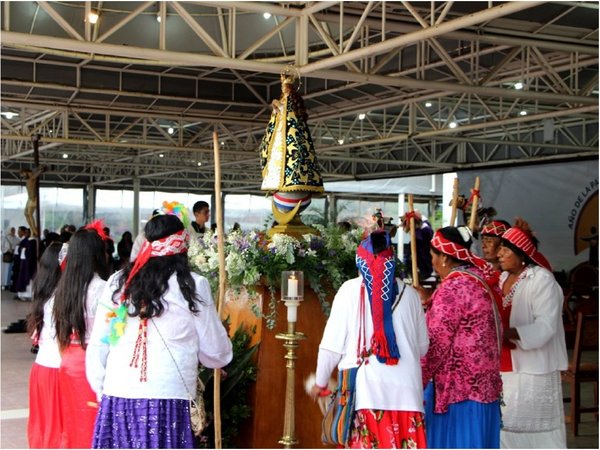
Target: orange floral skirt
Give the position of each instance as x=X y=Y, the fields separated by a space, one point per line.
x=373 y=428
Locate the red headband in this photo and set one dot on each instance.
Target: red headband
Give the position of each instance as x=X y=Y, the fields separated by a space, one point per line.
x=97 y=226
x=170 y=245
x=450 y=248
x=494 y=228
x=519 y=239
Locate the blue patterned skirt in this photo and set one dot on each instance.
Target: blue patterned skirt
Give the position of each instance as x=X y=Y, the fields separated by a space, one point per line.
x=466 y=424
x=143 y=423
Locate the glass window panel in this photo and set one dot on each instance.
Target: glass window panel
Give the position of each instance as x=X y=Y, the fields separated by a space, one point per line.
x=58 y=207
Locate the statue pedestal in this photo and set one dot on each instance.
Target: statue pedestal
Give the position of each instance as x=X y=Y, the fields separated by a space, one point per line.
x=264 y=428
x=294 y=228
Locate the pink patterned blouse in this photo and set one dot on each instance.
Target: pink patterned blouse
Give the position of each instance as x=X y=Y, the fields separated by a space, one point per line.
x=463 y=358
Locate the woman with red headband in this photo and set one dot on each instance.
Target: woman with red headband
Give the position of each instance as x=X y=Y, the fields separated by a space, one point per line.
x=491 y=238
x=533 y=403
x=158 y=322
x=461 y=368
x=75 y=303
x=44 y=425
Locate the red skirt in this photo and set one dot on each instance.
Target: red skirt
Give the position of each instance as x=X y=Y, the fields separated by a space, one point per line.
x=373 y=428
x=44 y=426
x=79 y=406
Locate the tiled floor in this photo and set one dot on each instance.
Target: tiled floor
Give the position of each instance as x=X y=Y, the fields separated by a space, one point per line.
x=16 y=362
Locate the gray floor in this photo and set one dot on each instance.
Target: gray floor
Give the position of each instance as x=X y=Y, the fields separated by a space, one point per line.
x=16 y=362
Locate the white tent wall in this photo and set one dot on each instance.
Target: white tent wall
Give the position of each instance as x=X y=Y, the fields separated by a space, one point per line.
x=420 y=185
x=424 y=185
x=559 y=201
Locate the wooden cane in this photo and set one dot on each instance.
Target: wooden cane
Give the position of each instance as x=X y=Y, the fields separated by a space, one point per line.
x=475 y=194
x=222 y=282
x=454 y=200
x=413 y=242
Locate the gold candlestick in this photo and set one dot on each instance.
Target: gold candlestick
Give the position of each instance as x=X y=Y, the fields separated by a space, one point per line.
x=292 y=292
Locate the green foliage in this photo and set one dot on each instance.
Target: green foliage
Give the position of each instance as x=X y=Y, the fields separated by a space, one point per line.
x=240 y=374
x=326 y=260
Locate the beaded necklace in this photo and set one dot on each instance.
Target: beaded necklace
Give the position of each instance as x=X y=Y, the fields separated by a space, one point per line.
x=508 y=298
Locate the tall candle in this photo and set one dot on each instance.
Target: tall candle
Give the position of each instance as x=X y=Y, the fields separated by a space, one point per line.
x=292 y=311
x=292 y=286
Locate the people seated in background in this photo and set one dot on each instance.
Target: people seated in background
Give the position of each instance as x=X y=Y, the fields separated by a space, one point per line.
x=201 y=212
x=491 y=238
x=423 y=235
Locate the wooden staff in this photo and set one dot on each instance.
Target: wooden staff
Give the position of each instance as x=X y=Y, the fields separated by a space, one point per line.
x=413 y=242
x=222 y=282
x=454 y=201
x=475 y=194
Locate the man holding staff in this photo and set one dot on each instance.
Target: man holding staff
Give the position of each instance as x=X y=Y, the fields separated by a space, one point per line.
x=422 y=237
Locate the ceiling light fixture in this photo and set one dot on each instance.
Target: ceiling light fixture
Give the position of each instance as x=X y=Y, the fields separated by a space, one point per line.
x=428 y=104
x=170 y=130
x=518 y=85
x=158 y=19
x=65 y=155
x=9 y=115
x=362 y=116
x=199 y=163
x=452 y=124
x=341 y=141
x=161 y=155
x=93 y=17
x=267 y=15
x=523 y=113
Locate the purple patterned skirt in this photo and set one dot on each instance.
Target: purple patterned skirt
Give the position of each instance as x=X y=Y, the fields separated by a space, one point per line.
x=143 y=423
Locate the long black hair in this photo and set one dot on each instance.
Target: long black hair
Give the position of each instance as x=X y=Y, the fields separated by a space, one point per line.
x=43 y=286
x=147 y=287
x=86 y=257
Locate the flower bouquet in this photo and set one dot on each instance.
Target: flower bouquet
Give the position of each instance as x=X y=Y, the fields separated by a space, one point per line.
x=326 y=260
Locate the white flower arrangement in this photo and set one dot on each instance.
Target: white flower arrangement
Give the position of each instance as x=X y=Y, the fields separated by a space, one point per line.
x=326 y=260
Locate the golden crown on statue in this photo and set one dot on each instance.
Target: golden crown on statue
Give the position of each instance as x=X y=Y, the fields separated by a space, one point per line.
x=290 y=75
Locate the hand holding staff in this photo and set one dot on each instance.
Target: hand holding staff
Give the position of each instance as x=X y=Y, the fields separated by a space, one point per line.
x=413 y=241
x=475 y=197
x=454 y=200
x=222 y=280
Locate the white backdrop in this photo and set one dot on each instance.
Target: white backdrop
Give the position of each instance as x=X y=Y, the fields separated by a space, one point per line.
x=551 y=197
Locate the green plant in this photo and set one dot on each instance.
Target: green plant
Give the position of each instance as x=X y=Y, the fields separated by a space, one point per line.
x=240 y=374
x=326 y=260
